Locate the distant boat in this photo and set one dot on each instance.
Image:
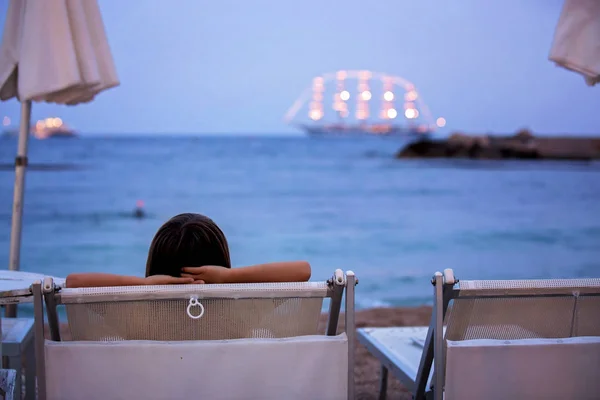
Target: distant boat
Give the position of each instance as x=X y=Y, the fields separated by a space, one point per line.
x=10 y=132
x=52 y=128
x=383 y=105
x=45 y=129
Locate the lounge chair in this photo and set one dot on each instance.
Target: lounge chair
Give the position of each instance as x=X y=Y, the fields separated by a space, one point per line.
x=502 y=339
x=244 y=341
x=17 y=333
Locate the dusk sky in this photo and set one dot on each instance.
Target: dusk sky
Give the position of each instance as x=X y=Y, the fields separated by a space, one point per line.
x=190 y=66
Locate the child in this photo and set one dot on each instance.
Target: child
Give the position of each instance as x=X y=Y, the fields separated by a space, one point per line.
x=191 y=248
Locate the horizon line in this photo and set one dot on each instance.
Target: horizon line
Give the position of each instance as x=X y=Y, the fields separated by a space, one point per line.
x=194 y=133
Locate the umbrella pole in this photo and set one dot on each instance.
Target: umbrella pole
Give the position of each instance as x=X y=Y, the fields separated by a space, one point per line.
x=17 y=214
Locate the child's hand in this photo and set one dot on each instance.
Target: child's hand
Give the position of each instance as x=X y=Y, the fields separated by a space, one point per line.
x=166 y=280
x=206 y=274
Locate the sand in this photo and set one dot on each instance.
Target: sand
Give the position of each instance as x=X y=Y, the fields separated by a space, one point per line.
x=367 y=368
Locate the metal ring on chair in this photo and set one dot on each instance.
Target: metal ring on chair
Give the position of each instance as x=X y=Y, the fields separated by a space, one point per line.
x=194 y=302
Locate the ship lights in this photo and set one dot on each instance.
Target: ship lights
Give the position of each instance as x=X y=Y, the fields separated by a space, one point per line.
x=411 y=113
x=48 y=123
x=411 y=95
x=390 y=104
x=341 y=75
x=341 y=95
x=52 y=123
x=6 y=121
x=316 y=115
x=441 y=122
x=365 y=75
x=362 y=100
x=316 y=106
x=387 y=108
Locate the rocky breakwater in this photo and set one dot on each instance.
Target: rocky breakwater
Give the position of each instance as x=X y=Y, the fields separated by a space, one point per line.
x=522 y=145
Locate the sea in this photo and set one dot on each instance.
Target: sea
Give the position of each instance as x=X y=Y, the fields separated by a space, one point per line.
x=335 y=202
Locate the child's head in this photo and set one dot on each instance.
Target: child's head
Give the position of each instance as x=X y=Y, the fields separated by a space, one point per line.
x=187 y=240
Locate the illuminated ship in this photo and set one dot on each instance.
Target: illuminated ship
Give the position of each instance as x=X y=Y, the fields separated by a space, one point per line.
x=52 y=128
x=393 y=92
x=43 y=129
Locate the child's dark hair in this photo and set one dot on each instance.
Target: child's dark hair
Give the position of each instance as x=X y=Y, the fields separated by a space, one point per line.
x=187 y=240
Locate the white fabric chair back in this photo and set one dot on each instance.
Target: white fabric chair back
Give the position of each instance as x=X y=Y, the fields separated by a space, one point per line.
x=307 y=367
x=523 y=369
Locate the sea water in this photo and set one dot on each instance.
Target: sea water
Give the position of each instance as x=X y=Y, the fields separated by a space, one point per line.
x=338 y=203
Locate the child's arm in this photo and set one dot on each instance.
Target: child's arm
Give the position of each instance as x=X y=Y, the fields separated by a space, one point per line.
x=93 y=279
x=286 y=271
x=290 y=271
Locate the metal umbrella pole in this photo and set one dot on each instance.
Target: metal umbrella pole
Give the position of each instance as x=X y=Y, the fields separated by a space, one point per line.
x=17 y=214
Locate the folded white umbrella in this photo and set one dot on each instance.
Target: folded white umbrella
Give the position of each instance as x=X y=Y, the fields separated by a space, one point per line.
x=52 y=51
x=576 y=43
x=59 y=49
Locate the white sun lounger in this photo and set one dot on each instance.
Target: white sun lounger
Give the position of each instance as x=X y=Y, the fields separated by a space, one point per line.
x=503 y=339
x=246 y=341
x=15 y=288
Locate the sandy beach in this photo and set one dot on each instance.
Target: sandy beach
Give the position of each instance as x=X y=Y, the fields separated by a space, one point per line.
x=367 y=368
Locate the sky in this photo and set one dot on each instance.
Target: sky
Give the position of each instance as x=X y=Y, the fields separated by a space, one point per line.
x=229 y=66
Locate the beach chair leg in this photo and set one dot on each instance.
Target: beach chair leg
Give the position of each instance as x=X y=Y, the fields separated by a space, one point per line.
x=434 y=342
x=350 y=330
x=425 y=363
x=383 y=382
x=38 y=310
x=438 y=346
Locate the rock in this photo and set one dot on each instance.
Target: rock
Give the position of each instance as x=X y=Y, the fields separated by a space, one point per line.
x=524 y=135
x=522 y=145
x=424 y=149
x=484 y=141
x=460 y=139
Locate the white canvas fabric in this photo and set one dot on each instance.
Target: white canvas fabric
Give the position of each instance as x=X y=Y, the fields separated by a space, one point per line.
x=576 y=43
x=523 y=369
x=303 y=367
x=55 y=51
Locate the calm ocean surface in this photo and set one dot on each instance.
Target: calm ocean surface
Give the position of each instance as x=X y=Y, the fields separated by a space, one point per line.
x=336 y=203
